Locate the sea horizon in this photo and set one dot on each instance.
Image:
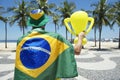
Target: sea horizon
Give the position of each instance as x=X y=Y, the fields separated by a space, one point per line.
x=8 y=41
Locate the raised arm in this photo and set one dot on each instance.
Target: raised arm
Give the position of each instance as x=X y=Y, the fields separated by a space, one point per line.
x=78 y=46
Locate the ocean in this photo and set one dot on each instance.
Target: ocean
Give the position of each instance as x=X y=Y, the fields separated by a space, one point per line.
x=9 y=41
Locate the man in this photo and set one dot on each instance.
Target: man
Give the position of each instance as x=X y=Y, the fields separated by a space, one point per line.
x=34 y=24
x=42 y=55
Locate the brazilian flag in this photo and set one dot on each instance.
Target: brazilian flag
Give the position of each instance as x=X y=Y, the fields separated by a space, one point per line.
x=43 y=55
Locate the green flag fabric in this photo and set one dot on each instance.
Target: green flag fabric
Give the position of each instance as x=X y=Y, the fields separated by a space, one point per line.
x=44 y=55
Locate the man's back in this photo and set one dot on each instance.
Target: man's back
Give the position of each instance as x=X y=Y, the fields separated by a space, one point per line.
x=44 y=55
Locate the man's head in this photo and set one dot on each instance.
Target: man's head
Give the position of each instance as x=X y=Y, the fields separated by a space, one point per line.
x=37 y=19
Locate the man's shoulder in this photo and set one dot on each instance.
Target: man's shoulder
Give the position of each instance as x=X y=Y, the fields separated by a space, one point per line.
x=21 y=37
x=41 y=32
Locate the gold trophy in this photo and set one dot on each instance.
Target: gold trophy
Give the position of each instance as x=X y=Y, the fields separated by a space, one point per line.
x=79 y=21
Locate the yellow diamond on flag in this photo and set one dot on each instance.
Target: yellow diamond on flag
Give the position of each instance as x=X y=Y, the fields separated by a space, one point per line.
x=52 y=52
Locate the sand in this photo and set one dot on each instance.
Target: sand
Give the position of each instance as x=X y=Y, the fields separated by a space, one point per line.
x=105 y=45
x=11 y=46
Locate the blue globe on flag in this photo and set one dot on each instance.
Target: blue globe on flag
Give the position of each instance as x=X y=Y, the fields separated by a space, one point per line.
x=35 y=53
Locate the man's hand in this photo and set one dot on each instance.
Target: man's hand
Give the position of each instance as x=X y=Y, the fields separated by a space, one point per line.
x=78 y=46
x=81 y=36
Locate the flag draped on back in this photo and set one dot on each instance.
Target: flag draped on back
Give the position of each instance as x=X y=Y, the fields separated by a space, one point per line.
x=43 y=55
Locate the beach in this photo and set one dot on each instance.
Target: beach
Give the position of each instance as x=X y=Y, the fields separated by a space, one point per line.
x=92 y=64
x=90 y=45
x=10 y=46
x=104 y=45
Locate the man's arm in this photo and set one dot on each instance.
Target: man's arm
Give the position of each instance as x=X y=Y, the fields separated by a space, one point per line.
x=78 y=46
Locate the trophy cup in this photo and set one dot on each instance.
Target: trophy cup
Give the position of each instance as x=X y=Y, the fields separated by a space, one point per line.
x=79 y=21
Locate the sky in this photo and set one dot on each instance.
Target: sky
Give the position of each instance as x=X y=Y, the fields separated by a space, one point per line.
x=14 y=31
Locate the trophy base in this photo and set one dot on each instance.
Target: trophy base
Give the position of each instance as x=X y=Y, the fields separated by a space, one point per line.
x=84 y=41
